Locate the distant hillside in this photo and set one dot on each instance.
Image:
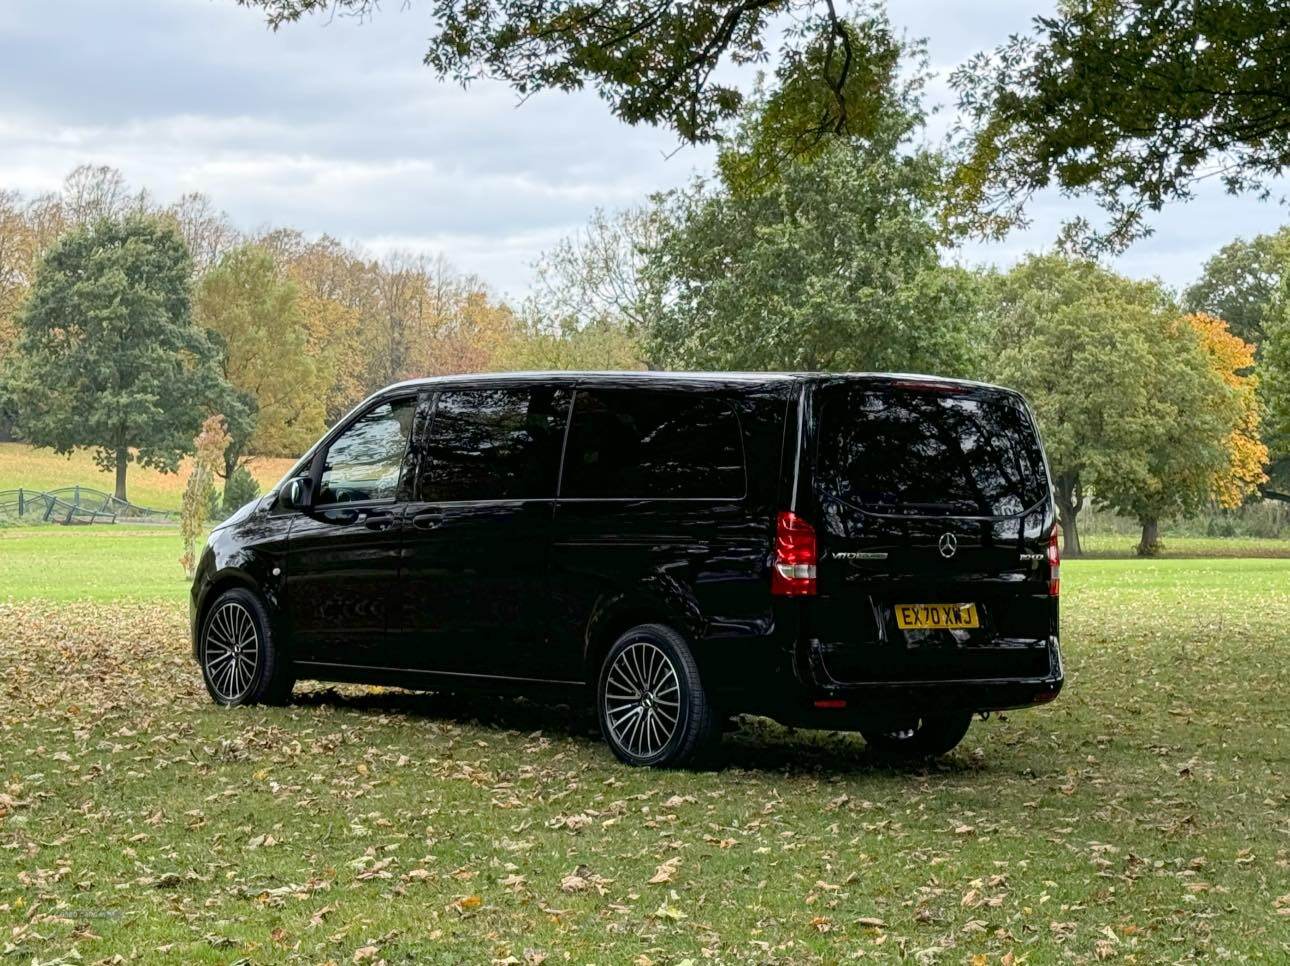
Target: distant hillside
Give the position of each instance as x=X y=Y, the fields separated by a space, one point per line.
x=23 y=465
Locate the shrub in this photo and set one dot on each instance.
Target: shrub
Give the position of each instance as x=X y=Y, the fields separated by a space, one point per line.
x=214 y=506
x=239 y=489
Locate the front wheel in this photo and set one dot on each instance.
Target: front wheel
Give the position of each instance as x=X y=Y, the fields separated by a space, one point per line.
x=240 y=661
x=652 y=706
x=928 y=736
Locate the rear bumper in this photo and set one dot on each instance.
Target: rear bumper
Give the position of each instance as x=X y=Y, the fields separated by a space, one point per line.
x=830 y=703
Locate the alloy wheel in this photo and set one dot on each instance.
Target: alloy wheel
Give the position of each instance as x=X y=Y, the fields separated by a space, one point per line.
x=232 y=651
x=642 y=699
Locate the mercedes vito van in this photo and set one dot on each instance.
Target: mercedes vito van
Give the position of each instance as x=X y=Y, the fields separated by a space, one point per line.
x=861 y=552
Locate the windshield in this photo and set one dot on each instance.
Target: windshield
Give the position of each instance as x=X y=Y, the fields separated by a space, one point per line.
x=926 y=451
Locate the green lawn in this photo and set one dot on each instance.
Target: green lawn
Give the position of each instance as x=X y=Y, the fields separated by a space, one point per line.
x=1122 y=545
x=99 y=562
x=1144 y=817
x=115 y=562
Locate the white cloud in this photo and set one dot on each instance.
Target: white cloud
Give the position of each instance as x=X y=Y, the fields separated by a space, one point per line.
x=336 y=127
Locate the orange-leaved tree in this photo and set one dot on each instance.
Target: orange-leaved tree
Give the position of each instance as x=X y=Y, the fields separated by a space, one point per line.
x=1233 y=359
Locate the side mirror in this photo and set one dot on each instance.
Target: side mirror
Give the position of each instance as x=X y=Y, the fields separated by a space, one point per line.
x=299 y=494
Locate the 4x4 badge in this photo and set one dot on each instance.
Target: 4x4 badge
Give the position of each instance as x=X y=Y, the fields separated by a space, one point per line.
x=948 y=544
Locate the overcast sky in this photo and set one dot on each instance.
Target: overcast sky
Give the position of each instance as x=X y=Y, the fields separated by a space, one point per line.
x=334 y=126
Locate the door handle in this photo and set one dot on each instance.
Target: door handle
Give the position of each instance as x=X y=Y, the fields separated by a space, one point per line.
x=379 y=521
x=427 y=519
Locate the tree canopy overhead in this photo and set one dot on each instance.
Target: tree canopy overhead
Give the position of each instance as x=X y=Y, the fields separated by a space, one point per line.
x=1133 y=104
x=832 y=263
x=654 y=61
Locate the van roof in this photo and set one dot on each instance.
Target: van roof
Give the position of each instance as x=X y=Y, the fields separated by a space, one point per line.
x=682 y=378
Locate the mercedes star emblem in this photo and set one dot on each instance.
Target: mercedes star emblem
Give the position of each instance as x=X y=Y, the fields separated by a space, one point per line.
x=948 y=544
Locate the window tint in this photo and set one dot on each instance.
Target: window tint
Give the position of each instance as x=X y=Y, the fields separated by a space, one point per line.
x=364 y=462
x=925 y=452
x=652 y=444
x=494 y=444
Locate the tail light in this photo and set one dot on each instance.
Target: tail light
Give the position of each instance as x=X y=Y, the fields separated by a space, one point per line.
x=1054 y=565
x=793 y=574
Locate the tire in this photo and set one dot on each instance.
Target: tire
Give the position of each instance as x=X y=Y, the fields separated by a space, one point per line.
x=649 y=675
x=927 y=737
x=241 y=664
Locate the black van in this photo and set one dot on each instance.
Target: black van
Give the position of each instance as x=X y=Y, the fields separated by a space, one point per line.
x=863 y=552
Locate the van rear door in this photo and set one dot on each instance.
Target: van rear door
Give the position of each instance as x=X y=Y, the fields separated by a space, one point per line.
x=933 y=515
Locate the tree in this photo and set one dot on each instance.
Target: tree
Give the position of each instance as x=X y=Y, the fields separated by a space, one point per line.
x=1132 y=103
x=598 y=276
x=336 y=303
x=1232 y=359
x=596 y=345
x=468 y=337
x=333 y=328
x=94 y=192
x=832 y=265
x=656 y=63
x=1239 y=282
x=1274 y=384
x=1076 y=340
x=263 y=352
x=108 y=354
x=207 y=233
x=417 y=315
x=17 y=261
x=791 y=120
x=208 y=452
x=1243 y=284
x=1186 y=431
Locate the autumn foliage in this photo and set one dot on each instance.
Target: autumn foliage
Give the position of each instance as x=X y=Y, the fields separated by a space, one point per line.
x=1233 y=359
x=209 y=447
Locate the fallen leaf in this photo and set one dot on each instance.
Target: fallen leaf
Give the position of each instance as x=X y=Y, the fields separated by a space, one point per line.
x=665 y=872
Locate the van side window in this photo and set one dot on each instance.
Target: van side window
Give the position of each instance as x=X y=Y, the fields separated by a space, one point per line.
x=494 y=444
x=364 y=461
x=652 y=444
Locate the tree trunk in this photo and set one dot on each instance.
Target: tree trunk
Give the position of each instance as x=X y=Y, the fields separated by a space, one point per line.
x=232 y=459
x=1149 y=546
x=122 y=461
x=1069 y=499
x=230 y=466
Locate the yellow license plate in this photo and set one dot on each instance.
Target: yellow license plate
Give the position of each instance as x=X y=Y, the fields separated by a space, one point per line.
x=936 y=617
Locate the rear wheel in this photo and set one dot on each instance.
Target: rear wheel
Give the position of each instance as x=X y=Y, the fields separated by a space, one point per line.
x=924 y=737
x=240 y=661
x=652 y=706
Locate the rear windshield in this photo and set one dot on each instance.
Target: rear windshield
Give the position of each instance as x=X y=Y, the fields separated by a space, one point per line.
x=928 y=451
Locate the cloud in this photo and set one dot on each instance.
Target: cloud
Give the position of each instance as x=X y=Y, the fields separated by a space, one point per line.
x=324 y=126
x=334 y=126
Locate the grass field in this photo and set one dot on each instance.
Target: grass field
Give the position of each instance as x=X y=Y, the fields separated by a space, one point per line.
x=99 y=562
x=43 y=469
x=1113 y=545
x=111 y=563
x=1144 y=817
